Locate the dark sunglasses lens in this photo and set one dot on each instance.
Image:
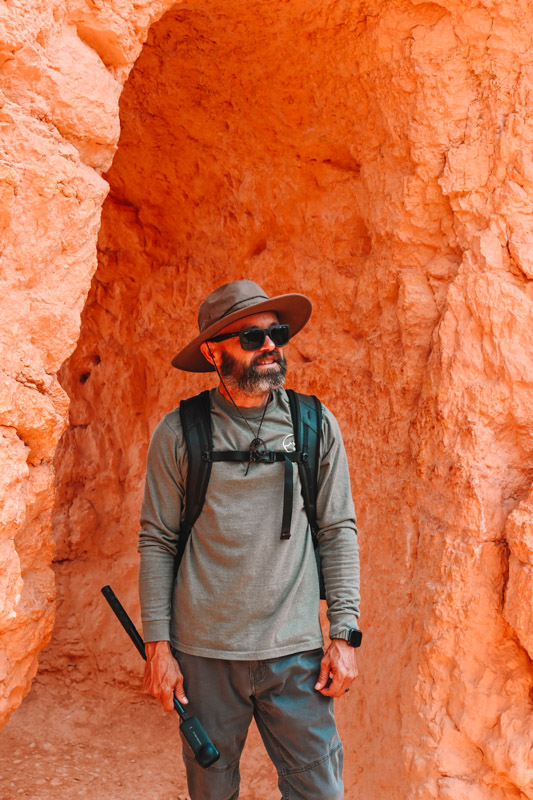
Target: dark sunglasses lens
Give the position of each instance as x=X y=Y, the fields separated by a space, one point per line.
x=279 y=335
x=254 y=338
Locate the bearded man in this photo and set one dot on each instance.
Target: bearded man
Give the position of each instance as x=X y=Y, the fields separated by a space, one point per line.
x=237 y=632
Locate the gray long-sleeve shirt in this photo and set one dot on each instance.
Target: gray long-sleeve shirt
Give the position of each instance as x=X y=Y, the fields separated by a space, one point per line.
x=242 y=592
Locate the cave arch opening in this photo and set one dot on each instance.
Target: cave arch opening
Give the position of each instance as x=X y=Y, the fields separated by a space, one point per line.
x=248 y=141
x=237 y=157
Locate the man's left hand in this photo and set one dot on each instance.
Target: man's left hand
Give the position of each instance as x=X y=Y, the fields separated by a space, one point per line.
x=338 y=669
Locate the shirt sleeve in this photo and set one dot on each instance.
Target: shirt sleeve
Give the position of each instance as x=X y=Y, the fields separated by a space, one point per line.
x=164 y=491
x=337 y=534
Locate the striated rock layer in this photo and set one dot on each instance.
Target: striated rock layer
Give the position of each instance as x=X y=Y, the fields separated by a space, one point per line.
x=376 y=156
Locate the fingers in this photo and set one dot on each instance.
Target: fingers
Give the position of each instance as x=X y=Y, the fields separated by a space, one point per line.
x=180 y=692
x=324 y=676
x=169 y=685
x=338 y=670
x=337 y=687
x=163 y=678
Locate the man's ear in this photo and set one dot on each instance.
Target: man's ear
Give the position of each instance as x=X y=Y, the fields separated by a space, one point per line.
x=204 y=347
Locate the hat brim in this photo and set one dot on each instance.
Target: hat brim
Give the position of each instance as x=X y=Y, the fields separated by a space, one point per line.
x=292 y=309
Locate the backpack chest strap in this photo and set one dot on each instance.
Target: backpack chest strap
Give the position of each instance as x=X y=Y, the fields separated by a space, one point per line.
x=266 y=457
x=253 y=456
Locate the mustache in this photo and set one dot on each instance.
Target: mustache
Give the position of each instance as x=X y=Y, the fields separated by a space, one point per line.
x=273 y=355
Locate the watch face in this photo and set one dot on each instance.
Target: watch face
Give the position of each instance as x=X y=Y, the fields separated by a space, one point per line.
x=355 y=638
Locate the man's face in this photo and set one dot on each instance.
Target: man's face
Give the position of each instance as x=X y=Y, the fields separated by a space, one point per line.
x=250 y=371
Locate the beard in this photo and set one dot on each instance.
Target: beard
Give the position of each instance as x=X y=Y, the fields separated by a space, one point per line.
x=248 y=379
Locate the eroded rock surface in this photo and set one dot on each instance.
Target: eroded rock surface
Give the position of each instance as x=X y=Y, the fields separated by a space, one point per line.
x=376 y=156
x=59 y=128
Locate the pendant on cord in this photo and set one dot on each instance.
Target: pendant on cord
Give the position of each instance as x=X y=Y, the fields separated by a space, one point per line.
x=257 y=449
x=257 y=454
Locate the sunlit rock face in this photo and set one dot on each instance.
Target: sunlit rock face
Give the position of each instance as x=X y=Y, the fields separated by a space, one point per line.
x=375 y=156
x=60 y=82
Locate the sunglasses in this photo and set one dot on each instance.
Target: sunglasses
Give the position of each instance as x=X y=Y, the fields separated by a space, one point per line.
x=254 y=338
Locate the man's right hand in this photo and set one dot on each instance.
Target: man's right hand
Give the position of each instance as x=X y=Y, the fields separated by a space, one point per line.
x=162 y=675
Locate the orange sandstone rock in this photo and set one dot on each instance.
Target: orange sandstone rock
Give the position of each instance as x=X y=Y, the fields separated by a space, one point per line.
x=59 y=120
x=374 y=155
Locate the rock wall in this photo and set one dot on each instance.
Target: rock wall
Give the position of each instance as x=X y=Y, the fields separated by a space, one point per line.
x=61 y=70
x=376 y=156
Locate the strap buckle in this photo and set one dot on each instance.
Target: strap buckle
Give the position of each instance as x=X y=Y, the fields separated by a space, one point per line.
x=262 y=456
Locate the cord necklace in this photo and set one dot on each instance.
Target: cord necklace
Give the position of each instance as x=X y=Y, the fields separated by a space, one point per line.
x=257 y=446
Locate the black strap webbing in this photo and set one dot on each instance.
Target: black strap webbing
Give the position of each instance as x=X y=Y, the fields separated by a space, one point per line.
x=306 y=412
x=265 y=457
x=195 y=416
x=288 y=492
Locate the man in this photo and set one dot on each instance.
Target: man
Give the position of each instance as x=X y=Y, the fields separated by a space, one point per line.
x=238 y=633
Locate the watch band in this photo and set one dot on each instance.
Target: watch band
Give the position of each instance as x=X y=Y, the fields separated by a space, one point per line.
x=352 y=636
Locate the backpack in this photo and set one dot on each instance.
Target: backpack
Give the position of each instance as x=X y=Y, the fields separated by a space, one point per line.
x=306 y=415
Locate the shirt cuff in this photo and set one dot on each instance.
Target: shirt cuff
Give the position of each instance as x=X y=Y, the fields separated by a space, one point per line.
x=156 y=630
x=339 y=626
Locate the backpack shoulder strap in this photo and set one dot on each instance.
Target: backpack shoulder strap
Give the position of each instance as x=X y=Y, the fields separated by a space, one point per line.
x=195 y=414
x=306 y=413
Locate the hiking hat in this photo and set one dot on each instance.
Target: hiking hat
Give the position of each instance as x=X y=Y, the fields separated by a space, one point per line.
x=233 y=301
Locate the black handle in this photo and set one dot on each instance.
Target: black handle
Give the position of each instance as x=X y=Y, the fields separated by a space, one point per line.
x=124 y=619
x=205 y=752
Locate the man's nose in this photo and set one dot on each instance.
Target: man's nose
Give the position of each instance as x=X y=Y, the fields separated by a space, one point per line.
x=268 y=344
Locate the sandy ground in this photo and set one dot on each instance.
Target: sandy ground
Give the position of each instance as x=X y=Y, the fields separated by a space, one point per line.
x=106 y=744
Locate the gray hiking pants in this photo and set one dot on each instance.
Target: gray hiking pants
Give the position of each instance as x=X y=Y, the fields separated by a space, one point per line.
x=295 y=722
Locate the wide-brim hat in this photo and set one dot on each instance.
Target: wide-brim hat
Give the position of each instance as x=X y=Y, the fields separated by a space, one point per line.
x=233 y=301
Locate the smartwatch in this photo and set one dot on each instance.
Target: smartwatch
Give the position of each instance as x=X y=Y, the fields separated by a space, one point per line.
x=352 y=636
